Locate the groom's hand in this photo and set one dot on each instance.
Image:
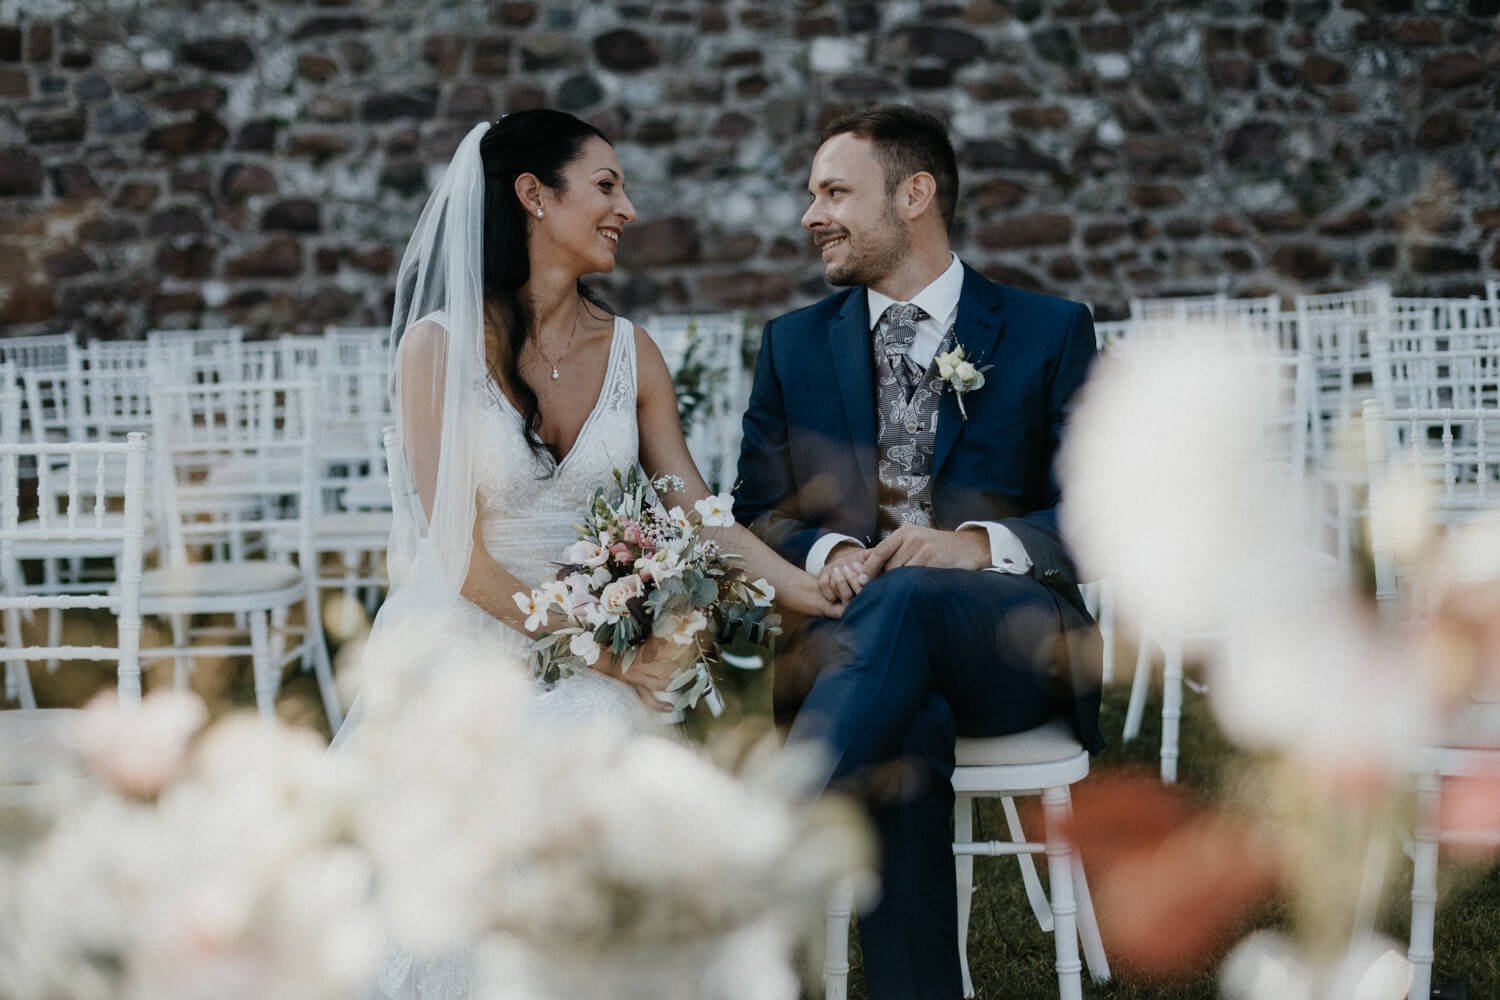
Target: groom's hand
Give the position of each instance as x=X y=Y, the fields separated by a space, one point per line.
x=910 y=545
x=843 y=573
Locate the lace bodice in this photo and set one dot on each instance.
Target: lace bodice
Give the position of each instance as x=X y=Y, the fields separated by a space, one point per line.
x=528 y=517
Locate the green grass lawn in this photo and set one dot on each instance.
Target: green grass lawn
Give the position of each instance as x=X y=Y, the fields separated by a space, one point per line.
x=1012 y=959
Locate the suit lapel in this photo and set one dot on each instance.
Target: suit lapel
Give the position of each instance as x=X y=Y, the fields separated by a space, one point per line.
x=849 y=339
x=977 y=329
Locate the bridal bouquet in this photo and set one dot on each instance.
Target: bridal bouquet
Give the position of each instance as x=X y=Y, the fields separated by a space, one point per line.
x=639 y=570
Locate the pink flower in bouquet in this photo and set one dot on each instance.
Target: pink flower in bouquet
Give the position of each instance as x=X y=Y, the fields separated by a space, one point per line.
x=632 y=533
x=621 y=553
x=615 y=601
x=585 y=553
x=580 y=597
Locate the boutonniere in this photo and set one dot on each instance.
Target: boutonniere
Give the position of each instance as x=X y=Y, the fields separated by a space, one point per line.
x=961 y=375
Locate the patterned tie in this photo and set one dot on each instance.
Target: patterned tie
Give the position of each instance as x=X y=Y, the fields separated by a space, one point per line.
x=901 y=320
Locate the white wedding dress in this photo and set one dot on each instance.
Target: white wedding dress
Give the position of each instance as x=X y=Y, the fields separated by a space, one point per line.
x=529 y=507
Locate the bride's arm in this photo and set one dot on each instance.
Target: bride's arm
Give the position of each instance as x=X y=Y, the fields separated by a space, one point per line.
x=664 y=451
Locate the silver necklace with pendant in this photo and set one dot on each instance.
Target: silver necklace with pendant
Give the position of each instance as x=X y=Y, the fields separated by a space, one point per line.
x=537 y=343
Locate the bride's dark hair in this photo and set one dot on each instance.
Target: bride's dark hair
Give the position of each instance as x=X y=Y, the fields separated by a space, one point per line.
x=541 y=142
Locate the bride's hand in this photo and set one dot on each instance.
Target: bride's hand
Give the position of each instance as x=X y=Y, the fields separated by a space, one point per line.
x=804 y=596
x=655 y=664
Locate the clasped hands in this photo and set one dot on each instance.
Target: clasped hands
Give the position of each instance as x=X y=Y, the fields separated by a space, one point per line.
x=850 y=568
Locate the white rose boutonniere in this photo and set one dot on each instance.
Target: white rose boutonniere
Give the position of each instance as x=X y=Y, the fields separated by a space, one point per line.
x=961 y=375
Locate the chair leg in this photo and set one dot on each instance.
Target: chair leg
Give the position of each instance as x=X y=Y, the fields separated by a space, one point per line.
x=322 y=664
x=182 y=661
x=836 y=956
x=1171 y=706
x=17 y=672
x=266 y=668
x=1055 y=808
x=53 y=579
x=963 y=864
x=1088 y=925
x=1424 y=857
x=1138 y=685
x=1034 y=892
x=1106 y=618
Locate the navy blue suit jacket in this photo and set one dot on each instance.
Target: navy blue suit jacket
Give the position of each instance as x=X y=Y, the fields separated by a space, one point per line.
x=808 y=463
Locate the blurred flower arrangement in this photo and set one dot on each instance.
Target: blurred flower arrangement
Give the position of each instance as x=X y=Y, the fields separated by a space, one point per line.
x=697 y=385
x=639 y=571
x=1177 y=488
x=452 y=831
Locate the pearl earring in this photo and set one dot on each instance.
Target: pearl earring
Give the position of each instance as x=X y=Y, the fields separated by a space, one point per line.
x=539 y=213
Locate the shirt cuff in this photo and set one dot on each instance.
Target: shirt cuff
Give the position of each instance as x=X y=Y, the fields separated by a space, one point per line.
x=1007 y=554
x=818 y=554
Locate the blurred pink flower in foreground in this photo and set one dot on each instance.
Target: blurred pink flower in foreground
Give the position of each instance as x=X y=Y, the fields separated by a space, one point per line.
x=139 y=749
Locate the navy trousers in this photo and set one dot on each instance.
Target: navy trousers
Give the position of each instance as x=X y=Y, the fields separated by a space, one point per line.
x=922 y=656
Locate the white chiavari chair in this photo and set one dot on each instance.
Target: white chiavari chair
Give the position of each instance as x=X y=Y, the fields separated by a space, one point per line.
x=1044 y=762
x=1458 y=451
x=1287 y=379
x=100 y=512
x=266 y=430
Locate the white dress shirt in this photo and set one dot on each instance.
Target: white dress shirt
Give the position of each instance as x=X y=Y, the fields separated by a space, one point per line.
x=939 y=300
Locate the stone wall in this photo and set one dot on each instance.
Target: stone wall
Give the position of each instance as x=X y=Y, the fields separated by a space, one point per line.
x=201 y=162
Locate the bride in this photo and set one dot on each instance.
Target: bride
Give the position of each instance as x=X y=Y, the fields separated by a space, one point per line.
x=517 y=393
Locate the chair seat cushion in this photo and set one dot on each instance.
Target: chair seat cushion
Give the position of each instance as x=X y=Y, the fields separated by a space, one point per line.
x=218 y=578
x=1046 y=743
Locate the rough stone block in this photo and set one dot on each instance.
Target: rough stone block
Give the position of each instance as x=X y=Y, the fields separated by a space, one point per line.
x=1101 y=233
x=14 y=83
x=136 y=196
x=1039 y=118
x=188 y=263
x=39 y=42
x=178 y=220
x=1161 y=158
x=50 y=129
x=625 y=50
x=1021 y=231
x=1302 y=261
x=279 y=257
x=318 y=145
x=1233 y=73
x=203 y=134
x=950 y=45
x=1443 y=128
x=329 y=24
x=108 y=230
x=74 y=180
x=258 y=135
x=316 y=68
x=1155 y=195
x=1255 y=143
x=996 y=194
x=1319 y=70
x=10 y=43
x=663 y=242
x=1007 y=154
x=27 y=304
x=1105 y=36
x=443 y=53
x=491 y=56
x=741 y=289
x=219 y=55
x=516 y=15
x=294 y=215
x=1355 y=223
x=208 y=97
x=1442 y=259
x=1455 y=69
x=471 y=103
x=1001 y=86
x=389 y=107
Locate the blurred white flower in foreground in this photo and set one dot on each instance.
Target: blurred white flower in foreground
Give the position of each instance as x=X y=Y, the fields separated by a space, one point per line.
x=540 y=859
x=1266 y=966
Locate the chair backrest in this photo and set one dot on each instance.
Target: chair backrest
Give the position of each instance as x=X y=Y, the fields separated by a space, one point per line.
x=40 y=351
x=704 y=352
x=1416 y=365
x=1334 y=331
x=95 y=505
x=199 y=355
x=234 y=458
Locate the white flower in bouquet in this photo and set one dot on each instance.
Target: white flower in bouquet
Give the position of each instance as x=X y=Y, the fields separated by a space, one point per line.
x=140 y=748
x=762 y=593
x=586 y=553
x=684 y=629
x=585 y=647
x=534 y=606
x=717 y=511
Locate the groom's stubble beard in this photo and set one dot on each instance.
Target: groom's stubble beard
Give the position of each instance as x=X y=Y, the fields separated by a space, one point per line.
x=881 y=250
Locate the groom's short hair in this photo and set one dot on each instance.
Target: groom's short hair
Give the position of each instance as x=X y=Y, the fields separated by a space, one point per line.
x=906 y=142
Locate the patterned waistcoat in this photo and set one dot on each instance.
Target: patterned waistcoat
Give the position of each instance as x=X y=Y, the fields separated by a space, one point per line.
x=905 y=437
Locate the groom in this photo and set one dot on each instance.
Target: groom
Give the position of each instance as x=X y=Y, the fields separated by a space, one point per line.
x=939 y=530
